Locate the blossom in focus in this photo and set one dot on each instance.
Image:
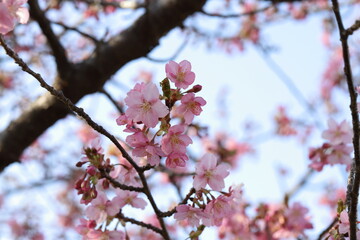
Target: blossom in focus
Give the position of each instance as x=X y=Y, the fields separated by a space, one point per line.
x=144 y=104
x=190 y=106
x=180 y=73
x=208 y=172
x=10 y=12
x=144 y=148
x=175 y=140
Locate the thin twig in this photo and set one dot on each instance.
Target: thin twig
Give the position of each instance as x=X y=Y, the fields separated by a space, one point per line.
x=120 y=216
x=298 y=186
x=184 y=201
x=116 y=184
x=112 y=100
x=353 y=189
x=353 y=28
x=289 y=83
x=177 y=52
x=92 y=38
x=326 y=230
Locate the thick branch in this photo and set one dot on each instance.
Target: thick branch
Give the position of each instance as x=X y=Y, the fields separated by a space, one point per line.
x=90 y=75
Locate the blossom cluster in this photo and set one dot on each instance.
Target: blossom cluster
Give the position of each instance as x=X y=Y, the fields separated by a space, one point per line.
x=157 y=126
x=337 y=149
x=146 y=110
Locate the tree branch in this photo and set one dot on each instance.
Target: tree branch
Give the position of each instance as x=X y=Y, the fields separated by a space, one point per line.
x=353 y=186
x=90 y=75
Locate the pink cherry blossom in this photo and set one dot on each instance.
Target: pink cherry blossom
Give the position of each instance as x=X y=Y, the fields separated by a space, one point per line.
x=180 y=73
x=341 y=154
x=330 y=154
x=344 y=225
x=10 y=11
x=144 y=104
x=190 y=106
x=129 y=198
x=144 y=148
x=217 y=209
x=338 y=133
x=175 y=140
x=208 y=172
x=125 y=173
x=176 y=159
x=101 y=208
x=124 y=120
x=85 y=226
x=191 y=214
x=297 y=221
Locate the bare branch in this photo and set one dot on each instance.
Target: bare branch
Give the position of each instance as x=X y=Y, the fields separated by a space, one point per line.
x=326 y=230
x=136 y=222
x=112 y=100
x=353 y=28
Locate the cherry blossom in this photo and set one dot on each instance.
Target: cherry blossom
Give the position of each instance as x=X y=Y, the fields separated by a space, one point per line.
x=144 y=104
x=176 y=159
x=338 y=133
x=85 y=226
x=144 y=148
x=191 y=214
x=190 y=106
x=217 y=209
x=10 y=11
x=208 y=172
x=180 y=73
x=101 y=208
x=344 y=225
x=175 y=140
x=127 y=197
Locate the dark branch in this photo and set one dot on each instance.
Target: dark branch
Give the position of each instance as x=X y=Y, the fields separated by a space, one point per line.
x=323 y=233
x=92 y=38
x=353 y=186
x=58 y=50
x=353 y=28
x=136 y=222
x=112 y=100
